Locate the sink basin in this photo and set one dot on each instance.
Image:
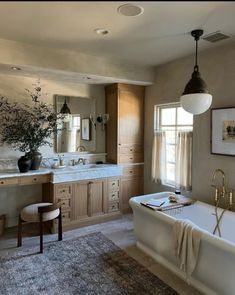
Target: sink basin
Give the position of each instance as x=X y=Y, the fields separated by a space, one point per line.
x=78 y=167
x=84 y=172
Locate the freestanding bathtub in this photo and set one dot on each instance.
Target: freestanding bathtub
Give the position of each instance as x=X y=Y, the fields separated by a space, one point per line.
x=215 y=269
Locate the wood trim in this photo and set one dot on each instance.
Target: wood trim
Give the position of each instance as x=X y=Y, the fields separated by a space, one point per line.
x=49 y=208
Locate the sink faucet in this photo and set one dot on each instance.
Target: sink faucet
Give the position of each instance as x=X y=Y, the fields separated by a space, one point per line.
x=81 y=160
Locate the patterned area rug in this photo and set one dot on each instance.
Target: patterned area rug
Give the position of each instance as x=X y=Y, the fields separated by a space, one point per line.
x=90 y=265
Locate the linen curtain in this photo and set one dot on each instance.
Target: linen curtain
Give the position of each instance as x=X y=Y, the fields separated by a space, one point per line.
x=159 y=157
x=184 y=160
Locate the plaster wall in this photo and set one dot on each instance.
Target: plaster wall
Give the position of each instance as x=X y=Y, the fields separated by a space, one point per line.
x=217 y=67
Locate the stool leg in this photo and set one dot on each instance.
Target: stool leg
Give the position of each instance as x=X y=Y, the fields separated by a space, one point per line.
x=60 y=226
x=41 y=232
x=19 y=243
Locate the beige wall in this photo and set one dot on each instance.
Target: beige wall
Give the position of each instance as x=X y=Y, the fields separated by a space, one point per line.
x=45 y=58
x=217 y=67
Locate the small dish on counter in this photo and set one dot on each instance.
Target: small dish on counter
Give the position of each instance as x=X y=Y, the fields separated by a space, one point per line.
x=59 y=167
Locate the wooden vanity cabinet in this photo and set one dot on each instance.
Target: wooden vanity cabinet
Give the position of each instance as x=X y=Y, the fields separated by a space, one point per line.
x=84 y=202
x=90 y=198
x=131 y=185
x=125 y=136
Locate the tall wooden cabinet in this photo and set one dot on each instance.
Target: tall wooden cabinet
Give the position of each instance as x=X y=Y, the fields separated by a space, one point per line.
x=125 y=136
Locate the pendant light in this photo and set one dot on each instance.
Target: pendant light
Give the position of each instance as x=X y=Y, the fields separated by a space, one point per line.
x=196 y=98
x=65 y=109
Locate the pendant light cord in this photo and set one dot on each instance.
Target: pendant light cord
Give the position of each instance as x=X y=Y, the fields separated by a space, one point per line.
x=196 y=66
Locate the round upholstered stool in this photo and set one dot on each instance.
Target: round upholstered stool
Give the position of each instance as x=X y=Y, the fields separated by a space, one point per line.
x=40 y=212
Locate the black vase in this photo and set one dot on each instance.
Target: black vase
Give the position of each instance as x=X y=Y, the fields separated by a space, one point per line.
x=36 y=159
x=24 y=164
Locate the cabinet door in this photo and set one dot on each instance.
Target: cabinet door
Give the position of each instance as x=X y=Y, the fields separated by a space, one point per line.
x=130 y=117
x=130 y=187
x=80 y=208
x=97 y=203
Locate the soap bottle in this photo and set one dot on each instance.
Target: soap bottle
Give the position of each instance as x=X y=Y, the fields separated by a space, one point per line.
x=61 y=161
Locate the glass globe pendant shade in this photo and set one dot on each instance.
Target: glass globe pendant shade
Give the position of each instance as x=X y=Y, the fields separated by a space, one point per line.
x=196 y=103
x=196 y=99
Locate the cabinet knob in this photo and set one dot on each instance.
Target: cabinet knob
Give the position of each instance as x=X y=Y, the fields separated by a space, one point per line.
x=35 y=179
x=2 y=182
x=131 y=158
x=113 y=195
x=63 y=191
x=131 y=150
x=131 y=171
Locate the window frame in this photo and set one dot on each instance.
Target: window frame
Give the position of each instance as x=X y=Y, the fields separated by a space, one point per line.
x=158 y=127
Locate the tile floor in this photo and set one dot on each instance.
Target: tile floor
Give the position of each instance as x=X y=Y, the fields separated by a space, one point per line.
x=120 y=231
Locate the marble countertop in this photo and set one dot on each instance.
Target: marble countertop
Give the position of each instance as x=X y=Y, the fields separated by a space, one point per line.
x=70 y=173
x=16 y=173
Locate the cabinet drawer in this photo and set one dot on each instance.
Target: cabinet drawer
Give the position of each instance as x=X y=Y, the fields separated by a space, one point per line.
x=131 y=158
x=66 y=217
x=34 y=179
x=130 y=149
x=113 y=185
x=9 y=181
x=63 y=190
x=133 y=171
x=114 y=196
x=113 y=206
x=65 y=203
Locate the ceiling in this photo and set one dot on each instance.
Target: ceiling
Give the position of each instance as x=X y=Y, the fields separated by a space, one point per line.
x=159 y=35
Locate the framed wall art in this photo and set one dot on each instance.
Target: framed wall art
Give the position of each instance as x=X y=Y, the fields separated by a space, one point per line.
x=86 y=130
x=223 y=131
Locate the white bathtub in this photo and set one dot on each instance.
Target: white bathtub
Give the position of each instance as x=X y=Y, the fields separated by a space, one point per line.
x=215 y=270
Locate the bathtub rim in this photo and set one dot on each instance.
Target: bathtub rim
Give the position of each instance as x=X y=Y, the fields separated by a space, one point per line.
x=219 y=242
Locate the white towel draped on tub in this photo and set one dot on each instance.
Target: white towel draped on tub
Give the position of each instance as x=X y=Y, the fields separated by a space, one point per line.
x=187 y=237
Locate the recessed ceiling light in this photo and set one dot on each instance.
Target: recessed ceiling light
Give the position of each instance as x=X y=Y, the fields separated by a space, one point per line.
x=130 y=10
x=101 y=31
x=16 y=68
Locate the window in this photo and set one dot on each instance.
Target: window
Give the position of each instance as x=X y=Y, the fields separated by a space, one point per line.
x=171 y=118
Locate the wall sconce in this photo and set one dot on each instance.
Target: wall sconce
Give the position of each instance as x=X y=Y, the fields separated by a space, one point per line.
x=102 y=119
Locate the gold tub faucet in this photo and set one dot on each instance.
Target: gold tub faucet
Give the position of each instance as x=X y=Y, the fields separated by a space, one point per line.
x=223 y=191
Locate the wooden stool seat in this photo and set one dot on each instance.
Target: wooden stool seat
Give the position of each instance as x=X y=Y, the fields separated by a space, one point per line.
x=40 y=212
x=31 y=214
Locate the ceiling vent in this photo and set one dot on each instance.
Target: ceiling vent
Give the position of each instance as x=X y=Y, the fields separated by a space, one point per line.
x=216 y=37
